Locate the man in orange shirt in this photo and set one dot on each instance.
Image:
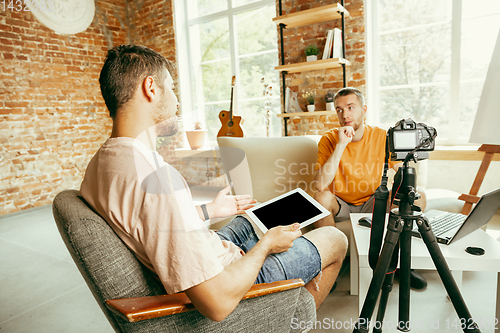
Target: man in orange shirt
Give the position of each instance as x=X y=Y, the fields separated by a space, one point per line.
x=350 y=163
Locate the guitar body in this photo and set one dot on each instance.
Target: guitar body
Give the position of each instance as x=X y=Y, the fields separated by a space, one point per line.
x=231 y=126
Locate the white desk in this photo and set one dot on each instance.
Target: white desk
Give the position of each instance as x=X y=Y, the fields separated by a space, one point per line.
x=458 y=260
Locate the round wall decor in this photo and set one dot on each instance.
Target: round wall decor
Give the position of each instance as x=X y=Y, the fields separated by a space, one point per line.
x=63 y=16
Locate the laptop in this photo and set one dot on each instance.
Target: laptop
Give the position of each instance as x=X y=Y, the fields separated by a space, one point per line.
x=288 y=208
x=449 y=227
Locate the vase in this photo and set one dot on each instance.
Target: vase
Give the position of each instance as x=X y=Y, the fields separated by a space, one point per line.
x=330 y=106
x=196 y=138
x=312 y=58
x=311 y=107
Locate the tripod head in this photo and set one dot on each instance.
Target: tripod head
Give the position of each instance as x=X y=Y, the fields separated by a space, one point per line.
x=406 y=190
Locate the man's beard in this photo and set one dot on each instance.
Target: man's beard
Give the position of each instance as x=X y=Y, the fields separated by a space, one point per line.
x=165 y=126
x=168 y=127
x=358 y=122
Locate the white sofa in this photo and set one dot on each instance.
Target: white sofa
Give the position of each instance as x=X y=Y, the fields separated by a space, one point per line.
x=268 y=167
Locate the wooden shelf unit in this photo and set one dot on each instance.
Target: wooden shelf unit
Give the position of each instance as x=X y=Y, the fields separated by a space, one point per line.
x=303 y=18
x=312 y=16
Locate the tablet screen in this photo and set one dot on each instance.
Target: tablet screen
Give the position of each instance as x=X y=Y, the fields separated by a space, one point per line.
x=290 y=209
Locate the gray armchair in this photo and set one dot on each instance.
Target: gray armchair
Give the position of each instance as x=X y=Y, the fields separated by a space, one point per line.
x=118 y=280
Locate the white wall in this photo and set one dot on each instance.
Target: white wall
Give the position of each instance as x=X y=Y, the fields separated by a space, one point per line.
x=459 y=175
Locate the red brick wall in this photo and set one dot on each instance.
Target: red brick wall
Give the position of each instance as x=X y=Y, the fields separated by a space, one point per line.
x=321 y=81
x=52 y=116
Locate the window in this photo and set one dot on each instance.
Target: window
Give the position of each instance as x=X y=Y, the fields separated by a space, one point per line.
x=428 y=60
x=217 y=39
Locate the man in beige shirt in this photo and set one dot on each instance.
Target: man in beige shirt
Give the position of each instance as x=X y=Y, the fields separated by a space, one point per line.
x=149 y=205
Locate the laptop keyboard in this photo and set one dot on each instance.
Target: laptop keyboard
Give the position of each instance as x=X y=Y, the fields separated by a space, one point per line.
x=446 y=222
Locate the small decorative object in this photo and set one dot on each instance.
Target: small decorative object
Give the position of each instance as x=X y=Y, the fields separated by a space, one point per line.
x=310 y=97
x=268 y=94
x=196 y=138
x=291 y=102
x=330 y=106
x=312 y=52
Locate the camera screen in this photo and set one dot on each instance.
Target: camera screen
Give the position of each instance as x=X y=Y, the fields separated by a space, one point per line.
x=405 y=140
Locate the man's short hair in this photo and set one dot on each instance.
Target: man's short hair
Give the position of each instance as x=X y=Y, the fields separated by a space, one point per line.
x=125 y=67
x=350 y=91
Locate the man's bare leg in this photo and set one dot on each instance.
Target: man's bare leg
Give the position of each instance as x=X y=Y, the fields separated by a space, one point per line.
x=332 y=247
x=327 y=199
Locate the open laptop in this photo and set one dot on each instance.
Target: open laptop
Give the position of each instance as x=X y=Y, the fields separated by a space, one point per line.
x=449 y=227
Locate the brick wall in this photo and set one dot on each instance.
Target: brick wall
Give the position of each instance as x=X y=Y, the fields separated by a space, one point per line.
x=321 y=81
x=52 y=116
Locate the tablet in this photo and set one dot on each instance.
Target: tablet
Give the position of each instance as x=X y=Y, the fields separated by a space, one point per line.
x=291 y=207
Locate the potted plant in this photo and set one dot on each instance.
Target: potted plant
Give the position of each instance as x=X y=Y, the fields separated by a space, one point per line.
x=329 y=101
x=196 y=137
x=312 y=52
x=310 y=96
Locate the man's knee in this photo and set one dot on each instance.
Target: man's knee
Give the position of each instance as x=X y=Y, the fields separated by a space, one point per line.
x=327 y=199
x=324 y=197
x=331 y=244
x=340 y=241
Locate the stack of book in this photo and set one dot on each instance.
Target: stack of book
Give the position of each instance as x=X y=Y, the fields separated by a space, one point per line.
x=333 y=45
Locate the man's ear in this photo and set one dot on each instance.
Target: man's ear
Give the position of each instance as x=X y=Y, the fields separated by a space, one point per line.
x=149 y=88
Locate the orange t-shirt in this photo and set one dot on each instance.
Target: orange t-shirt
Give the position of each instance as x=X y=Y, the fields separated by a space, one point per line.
x=361 y=165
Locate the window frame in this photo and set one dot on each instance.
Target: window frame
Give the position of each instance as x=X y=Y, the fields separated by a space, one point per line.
x=373 y=71
x=186 y=56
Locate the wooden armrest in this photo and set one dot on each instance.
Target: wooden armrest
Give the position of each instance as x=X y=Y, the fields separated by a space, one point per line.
x=141 y=308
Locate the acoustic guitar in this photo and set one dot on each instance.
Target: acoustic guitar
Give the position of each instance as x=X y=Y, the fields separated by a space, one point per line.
x=231 y=125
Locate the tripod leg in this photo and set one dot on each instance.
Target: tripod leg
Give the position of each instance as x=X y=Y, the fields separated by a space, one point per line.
x=382 y=305
x=404 y=277
x=445 y=274
x=394 y=228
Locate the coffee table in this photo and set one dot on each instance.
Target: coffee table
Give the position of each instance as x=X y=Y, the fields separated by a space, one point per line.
x=456 y=257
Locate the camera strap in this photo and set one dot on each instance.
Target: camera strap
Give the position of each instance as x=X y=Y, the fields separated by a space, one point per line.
x=378 y=218
x=379 y=211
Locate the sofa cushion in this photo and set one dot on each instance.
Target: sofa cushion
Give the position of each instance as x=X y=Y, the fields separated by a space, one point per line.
x=275 y=165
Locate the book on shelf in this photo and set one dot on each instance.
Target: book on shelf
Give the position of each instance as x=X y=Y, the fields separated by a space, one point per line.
x=333 y=44
x=328 y=45
x=337 y=44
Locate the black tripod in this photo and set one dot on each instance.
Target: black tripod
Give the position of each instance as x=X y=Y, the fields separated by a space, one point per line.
x=399 y=228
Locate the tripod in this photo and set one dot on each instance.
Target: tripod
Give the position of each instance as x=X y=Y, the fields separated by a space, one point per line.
x=398 y=239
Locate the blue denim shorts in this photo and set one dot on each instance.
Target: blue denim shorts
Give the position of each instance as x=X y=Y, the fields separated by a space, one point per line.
x=302 y=260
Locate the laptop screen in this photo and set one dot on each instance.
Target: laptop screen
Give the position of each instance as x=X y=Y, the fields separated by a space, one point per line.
x=484 y=210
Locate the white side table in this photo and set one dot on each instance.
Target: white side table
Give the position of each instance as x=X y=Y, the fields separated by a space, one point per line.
x=458 y=260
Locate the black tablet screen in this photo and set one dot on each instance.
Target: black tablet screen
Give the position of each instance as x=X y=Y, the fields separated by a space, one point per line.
x=290 y=209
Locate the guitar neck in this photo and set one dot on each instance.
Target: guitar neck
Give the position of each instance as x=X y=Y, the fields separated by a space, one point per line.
x=231 y=102
x=231 y=106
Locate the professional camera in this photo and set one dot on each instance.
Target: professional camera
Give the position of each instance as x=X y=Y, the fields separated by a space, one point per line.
x=409 y=137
